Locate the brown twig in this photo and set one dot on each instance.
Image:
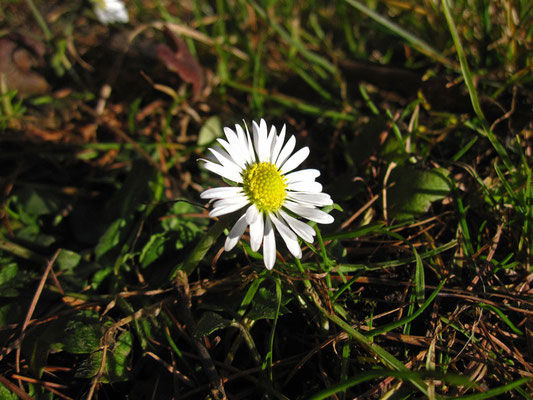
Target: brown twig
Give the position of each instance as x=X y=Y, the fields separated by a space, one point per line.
x=33 y=305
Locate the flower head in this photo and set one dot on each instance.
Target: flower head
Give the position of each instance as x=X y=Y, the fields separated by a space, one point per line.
x=267 y=189
x=110 y=11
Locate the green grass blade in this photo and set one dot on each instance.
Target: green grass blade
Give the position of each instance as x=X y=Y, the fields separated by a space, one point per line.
x=415 y=42
x=396 y=324
x=467 y=76
x=420 y=284
x=497 y=391
x=503 y=317
x=379 y=351
x=404 y=375
x=312 y=57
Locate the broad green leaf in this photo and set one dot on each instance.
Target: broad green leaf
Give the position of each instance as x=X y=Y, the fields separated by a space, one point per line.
x=67 y=260
x=12 y=279
x=153 y=249
x=6 y=394
x=265 y=305
x=83 y=334
x=209 y=323
x=186 y=232
x=184 y=229
x=117 y=361
x=99 y=276
x=89 y=367
x=38 y=202
x=33 y=235
x=8 y=273
x=116 y=368
x=414 y=190
x=211 y=130
x=117 y=232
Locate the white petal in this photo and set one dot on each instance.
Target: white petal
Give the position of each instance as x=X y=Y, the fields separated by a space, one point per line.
x=269 y=145
x=251 y=214
x=286 y=151
x=256 y=233
x=310 y=213
x=227 y=173
x=304 y=175
x=288 y=236
x=235 y=139
x=295 y=160
x=263 y=147
x=221 y=192
x=269 y=245
x=250 y=143
x=236 y=201
x=277 y=145
x=110 y=11
x=302 y=229
x=244 y=139
x=236 y=143
x=315 y=199
x=234 y=151
x=228 y=201
x=235 y=234
x=256 y=138
x=313 y=187
x=224 y=158
x=223 y=210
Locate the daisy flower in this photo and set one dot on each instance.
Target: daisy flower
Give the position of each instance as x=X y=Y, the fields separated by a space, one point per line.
x=110 y=11
x=267 y=190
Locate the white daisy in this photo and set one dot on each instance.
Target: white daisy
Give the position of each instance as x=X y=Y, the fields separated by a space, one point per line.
x=110 y=11
x=267 y=189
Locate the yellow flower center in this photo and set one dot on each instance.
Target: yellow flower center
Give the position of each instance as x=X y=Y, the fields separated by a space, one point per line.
x=265 y=186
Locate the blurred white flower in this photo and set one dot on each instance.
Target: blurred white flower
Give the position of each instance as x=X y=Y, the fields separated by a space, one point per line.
x=110 y=11
x=268 y=190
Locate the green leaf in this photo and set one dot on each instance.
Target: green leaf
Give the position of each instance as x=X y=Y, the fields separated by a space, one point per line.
x=6 y=394
x=114 y=236
x=153 y=249
x=414 y=191
x=82 y=334
x=187 y=232
x=116 y=367
x=117 y=361
x=209 y=323
x=211 y=130
x=38 y=202
x=12 y=279
x=99 y=276
x=67 y=260
x=8 y=273
x=265 y=305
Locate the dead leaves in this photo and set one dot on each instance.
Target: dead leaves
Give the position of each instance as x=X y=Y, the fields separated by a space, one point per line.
x=179 y=59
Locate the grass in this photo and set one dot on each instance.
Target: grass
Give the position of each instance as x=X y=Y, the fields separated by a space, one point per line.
x=113 y=280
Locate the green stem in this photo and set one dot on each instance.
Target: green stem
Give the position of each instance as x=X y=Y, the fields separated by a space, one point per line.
x=40 y=20
x=384 y=355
